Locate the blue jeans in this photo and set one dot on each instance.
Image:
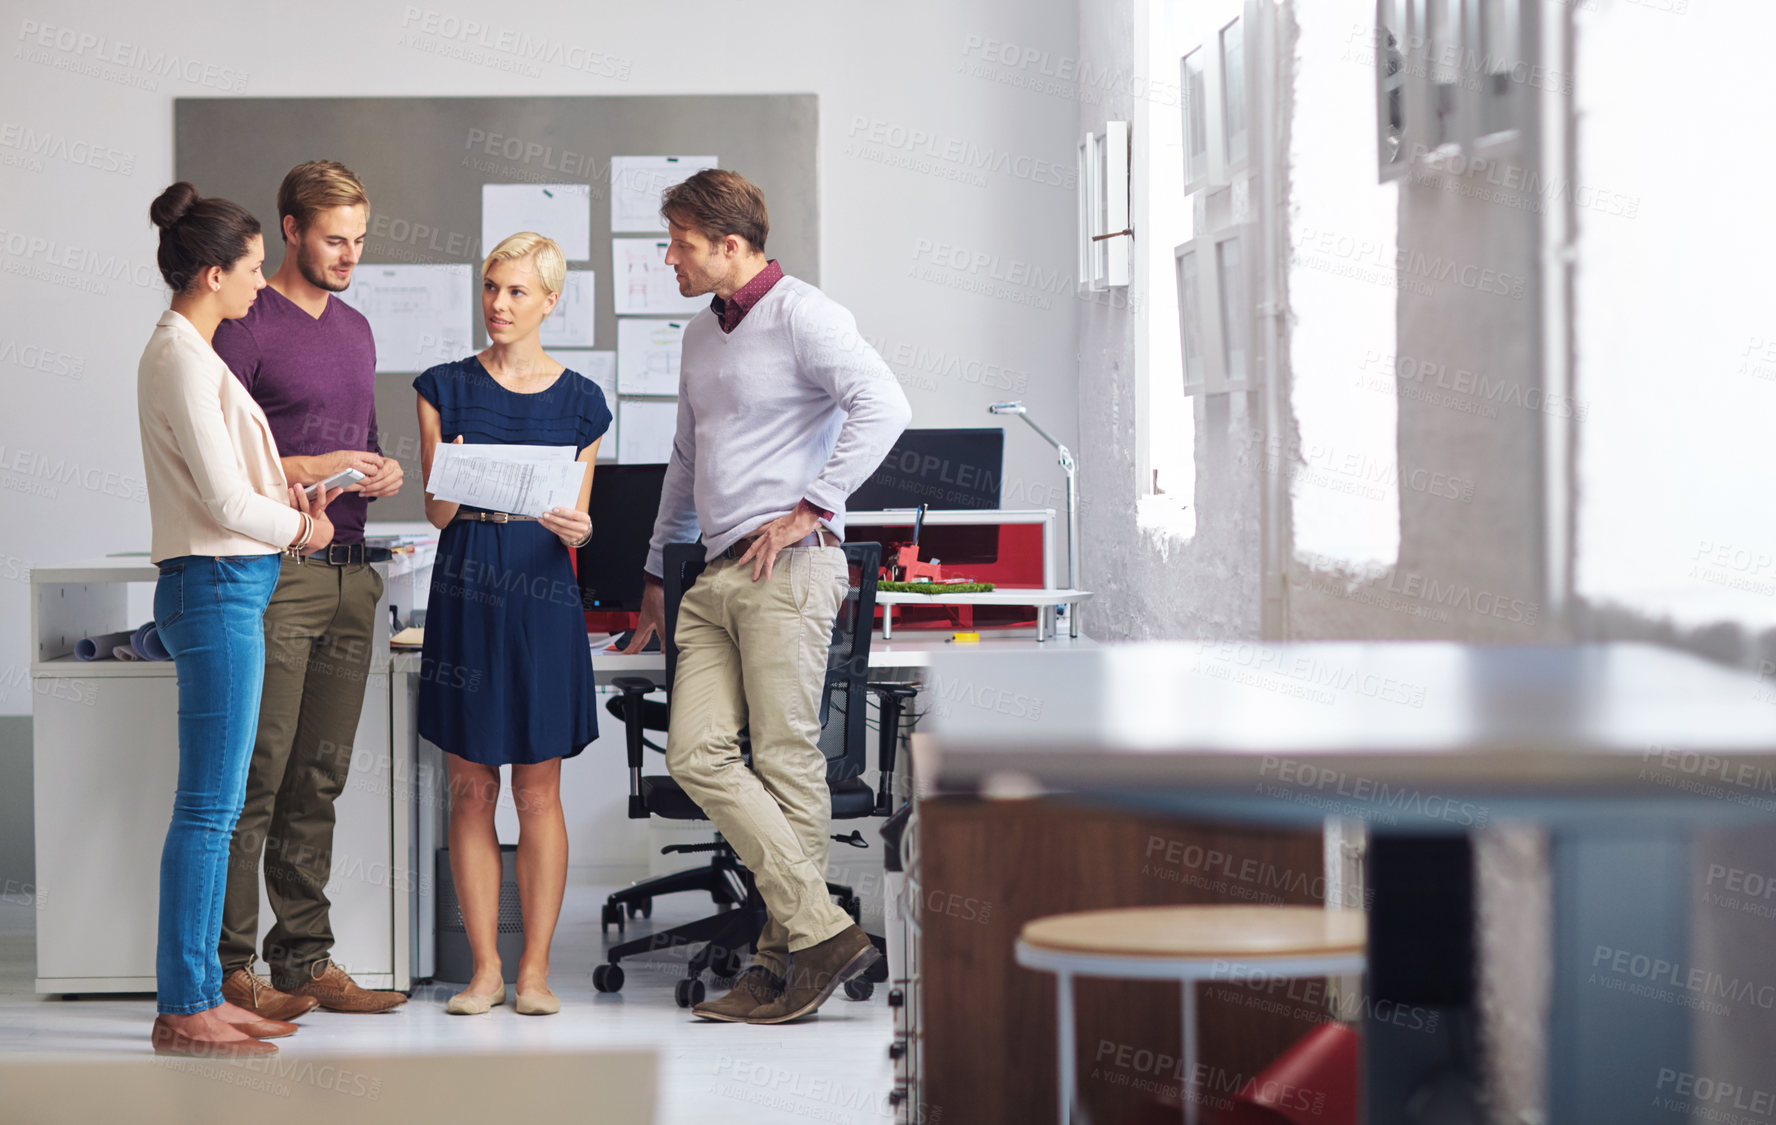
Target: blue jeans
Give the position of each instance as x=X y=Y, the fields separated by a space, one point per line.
x=209 y=612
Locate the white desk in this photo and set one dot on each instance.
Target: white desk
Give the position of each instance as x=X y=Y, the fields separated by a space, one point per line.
x=1623 y=752
x=1044 y=601
x=913 y=650
x=105 y=757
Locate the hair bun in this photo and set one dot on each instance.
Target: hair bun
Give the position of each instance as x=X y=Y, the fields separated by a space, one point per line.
x=174 y=204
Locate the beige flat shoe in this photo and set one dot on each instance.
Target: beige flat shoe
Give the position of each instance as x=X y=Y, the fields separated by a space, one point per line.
x=462 y=1004
x=538 y=1004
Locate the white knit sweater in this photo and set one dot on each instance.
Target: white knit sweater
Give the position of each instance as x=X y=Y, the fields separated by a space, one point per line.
x=793 y=403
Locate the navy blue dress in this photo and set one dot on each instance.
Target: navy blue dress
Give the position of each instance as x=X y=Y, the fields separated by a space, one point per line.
x=506 y=671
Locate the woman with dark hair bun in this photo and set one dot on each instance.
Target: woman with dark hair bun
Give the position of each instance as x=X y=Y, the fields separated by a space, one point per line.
x=221 y=511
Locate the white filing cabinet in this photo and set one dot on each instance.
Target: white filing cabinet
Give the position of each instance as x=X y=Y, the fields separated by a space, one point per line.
x=105 y=754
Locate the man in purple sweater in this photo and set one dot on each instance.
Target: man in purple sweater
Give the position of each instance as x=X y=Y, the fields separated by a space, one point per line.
x=309 y=360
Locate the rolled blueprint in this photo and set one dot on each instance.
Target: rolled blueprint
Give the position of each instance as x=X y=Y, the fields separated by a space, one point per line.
x=102 y=646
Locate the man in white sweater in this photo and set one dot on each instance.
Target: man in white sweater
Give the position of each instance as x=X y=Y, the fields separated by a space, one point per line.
x=783 y=411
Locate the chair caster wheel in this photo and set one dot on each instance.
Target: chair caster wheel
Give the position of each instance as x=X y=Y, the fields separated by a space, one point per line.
x=688 y=993
x=613 y=916
x=608 y=977
x=859 y=989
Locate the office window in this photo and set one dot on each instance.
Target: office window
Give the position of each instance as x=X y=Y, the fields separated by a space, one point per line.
x=1674 y=379
x=1164 y=359
x=1345 y=490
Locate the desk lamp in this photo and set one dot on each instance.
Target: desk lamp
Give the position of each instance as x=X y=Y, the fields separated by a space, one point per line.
x=1072 y=470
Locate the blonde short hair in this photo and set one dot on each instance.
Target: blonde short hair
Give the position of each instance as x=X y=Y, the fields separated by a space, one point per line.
x=550 y=263
x=318 y=185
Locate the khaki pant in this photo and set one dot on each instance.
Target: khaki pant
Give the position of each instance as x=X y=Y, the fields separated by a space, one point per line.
x=753 y=655
x=319 y=629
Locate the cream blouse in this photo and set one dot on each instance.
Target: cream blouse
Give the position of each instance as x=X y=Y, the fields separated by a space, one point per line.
x=215 y=484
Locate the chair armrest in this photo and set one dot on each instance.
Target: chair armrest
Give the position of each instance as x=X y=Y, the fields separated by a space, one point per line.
x=634 y=689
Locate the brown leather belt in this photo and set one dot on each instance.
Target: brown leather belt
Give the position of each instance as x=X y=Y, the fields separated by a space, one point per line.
x=493 y=517
x=816 y=538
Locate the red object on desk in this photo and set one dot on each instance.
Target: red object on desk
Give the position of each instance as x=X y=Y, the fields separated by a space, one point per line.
x=1017 y=564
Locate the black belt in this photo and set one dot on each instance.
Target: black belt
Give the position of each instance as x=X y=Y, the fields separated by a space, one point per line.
x=349 y=554
x=739 y=547
x=493 y=517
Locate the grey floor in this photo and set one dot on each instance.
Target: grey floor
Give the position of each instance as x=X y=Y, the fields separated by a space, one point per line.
x=833 y=1068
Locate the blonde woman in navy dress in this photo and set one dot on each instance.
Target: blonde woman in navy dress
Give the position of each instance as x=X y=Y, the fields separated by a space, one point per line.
x=507 y=670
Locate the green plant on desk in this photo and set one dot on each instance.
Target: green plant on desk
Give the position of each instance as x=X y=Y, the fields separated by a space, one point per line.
x=934 y=588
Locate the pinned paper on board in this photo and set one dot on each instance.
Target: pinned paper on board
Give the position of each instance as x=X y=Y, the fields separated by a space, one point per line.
x=562 y=212
x=643 y=284
x=599 y=368
x=638 y=181
x=419 y=315
x=648 y=429
x=572 y=323
x=647 y=356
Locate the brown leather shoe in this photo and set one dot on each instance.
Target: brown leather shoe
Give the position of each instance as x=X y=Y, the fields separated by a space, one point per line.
x=337 y=992
x=816 y=972
x=246 y=989
x=756 y=987
x=168 y=1041
x=267 y=1029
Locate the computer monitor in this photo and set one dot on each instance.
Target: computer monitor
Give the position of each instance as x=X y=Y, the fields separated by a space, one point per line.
x=625 y=500
x=941 y=468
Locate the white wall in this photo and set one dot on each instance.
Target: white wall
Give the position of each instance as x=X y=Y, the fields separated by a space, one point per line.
x=936 y=181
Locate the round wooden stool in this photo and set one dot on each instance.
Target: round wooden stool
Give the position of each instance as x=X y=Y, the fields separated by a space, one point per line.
x=1186 y=944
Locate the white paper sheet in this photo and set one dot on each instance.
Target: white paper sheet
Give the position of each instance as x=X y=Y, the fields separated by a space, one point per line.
x=524 y=479
x=643 y=284
x=562 y=212
x=419 y=315
x=636 y=184
x=648 y=428
x=571 y=325
x=647 y=356
x=600 y=368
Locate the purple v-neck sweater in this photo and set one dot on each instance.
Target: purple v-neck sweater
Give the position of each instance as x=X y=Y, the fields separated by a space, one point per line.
x=315 y=378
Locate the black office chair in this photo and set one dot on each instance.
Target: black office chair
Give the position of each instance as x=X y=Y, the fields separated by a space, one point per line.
x=727 y=937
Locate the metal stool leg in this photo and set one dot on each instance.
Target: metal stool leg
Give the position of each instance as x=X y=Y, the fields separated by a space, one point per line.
x=1067 y=1045
x=1189 y=1087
